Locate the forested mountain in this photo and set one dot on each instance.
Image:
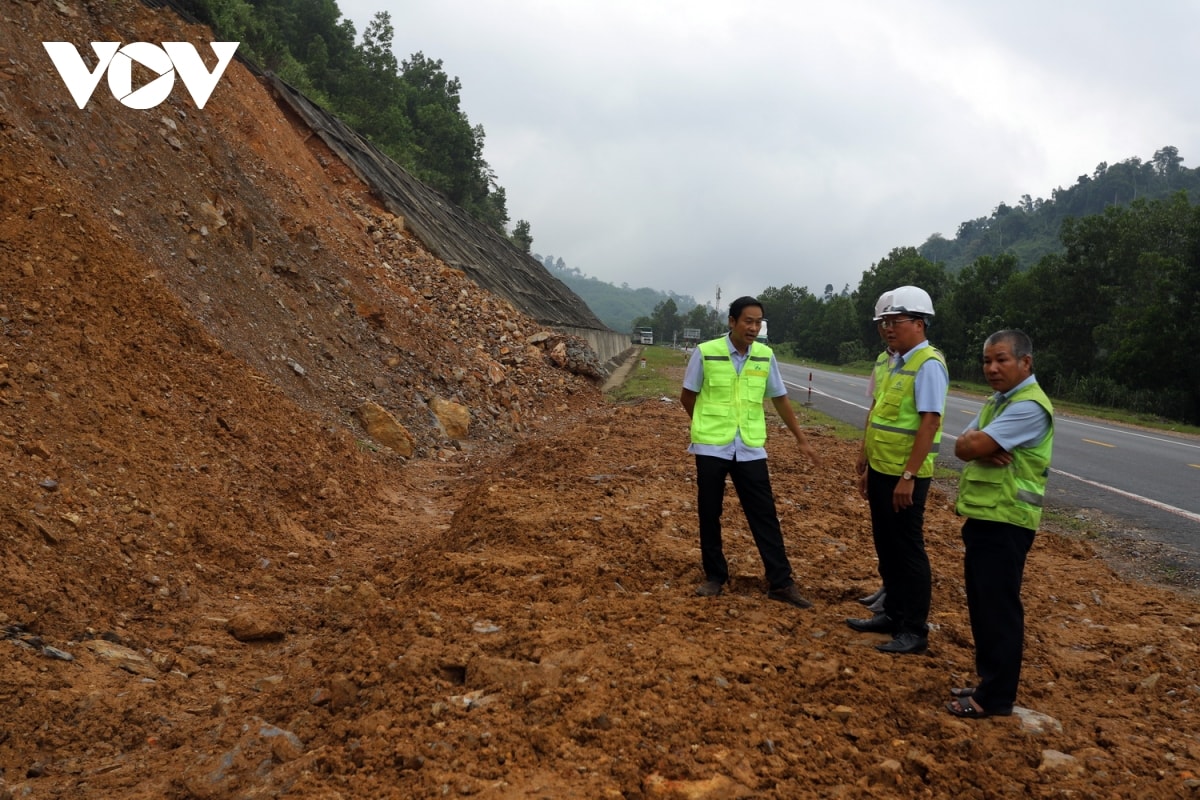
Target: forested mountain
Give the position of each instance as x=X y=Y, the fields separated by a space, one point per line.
x=1030 y=229
x=618 y=307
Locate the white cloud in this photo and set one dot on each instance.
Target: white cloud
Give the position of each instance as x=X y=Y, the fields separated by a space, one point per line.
x=685 y=145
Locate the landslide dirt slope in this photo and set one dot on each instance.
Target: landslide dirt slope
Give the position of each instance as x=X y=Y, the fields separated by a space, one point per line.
x=217 y=585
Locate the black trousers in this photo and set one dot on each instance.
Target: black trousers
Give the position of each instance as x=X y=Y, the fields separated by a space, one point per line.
x=994 y=568
x=753 y=485
x=900 y=546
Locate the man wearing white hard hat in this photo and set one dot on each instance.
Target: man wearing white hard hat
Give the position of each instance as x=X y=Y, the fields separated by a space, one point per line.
x=901 y=441
x=883 y=364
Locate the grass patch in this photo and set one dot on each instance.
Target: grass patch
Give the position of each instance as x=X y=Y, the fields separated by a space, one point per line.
x=1067 y=522
x=942 y=472
x=657 y=372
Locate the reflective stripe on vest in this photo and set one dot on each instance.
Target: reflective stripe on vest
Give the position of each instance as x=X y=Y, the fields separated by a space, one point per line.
x=1014 y=493
x=895 y=420
x=729 y=402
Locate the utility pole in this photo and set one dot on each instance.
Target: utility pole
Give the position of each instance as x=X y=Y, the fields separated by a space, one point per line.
x=717 y=308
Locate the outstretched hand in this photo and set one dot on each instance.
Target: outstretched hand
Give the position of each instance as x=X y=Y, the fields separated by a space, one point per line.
x=810 y=454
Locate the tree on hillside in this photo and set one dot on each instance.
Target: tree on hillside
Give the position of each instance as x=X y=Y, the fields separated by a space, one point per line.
x=937 y=248
x=903 y=266
x=666 y=322
x=785 y=310
x=1030 y=229
x=370 y=107
x=1166 y=163
x=705 y=319
x=409 y=110
x=973 y=311
x=1113 y=317
x=451 y=150
x=1146 y=259
x=521 y=236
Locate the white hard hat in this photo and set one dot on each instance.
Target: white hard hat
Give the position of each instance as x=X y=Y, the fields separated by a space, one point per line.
x=883 y=302
x=910 y=300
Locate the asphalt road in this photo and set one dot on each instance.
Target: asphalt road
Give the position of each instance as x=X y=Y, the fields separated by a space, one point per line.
x=1149 y=480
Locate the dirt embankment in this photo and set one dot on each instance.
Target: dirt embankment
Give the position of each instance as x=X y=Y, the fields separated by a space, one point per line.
x=218 y=585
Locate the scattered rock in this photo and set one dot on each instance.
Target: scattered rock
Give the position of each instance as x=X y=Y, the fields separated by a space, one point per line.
x=1036 y=722
x=454 y=418
x=255 y=626
x=383 y=428
x=1054 y=761
x=121 y=656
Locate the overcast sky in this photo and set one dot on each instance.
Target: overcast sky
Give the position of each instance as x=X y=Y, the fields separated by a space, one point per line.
x=689 y=145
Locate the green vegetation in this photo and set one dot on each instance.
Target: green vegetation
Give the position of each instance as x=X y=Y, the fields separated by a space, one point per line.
x=409 y=109
x=1067 y=521
x=652 y=380
x=1031 y=229
x=669 y=325
x=1113 y=317
x=1113 y=312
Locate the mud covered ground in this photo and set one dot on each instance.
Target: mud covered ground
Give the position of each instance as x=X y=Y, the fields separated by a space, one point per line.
x=525 y=627
x=217 y=584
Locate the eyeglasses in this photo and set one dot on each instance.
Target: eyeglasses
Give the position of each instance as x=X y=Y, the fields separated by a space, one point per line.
x=891 y=323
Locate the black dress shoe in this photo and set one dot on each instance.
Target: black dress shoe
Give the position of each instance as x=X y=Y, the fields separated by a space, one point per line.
x=790 y=595
x=871 y=598
x=880 y=623
x=905 y=644
x=878 y=606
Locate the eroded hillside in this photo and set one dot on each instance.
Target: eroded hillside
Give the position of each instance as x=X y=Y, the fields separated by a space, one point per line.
x=218 y=584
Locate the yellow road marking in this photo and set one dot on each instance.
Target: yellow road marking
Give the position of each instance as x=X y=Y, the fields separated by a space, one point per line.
x=1102 y=444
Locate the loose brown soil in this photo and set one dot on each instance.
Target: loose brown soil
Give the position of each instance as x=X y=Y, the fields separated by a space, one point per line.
x=217 y=585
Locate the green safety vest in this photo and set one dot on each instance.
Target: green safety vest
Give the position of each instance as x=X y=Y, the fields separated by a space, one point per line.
x=1013 y=493
x=894 y=418
x=729 y=402
x=882 y=364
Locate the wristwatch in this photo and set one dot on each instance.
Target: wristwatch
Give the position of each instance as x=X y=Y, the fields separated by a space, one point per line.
x=907 y=476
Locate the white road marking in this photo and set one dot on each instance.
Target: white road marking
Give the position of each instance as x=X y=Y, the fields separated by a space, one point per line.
x=1130 y=495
